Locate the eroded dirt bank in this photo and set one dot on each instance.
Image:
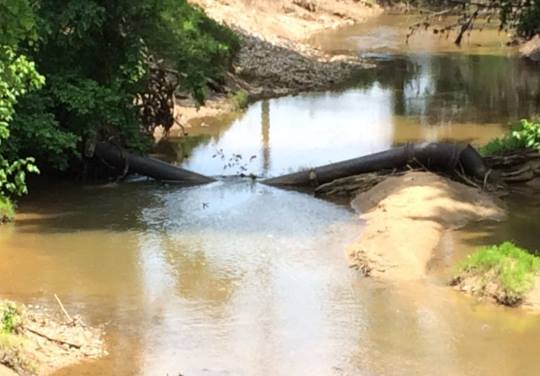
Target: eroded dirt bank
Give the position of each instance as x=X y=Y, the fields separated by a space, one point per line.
x=288 y=20
x=406 y=217
x=274 y=58
x=34 y=341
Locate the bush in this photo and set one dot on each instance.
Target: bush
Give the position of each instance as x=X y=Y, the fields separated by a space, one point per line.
x=7 y=211
x=98 y=58
x=240 y=100
x=525 y=135
x=10 y=318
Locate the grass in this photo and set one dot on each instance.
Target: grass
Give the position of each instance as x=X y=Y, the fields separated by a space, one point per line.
x=7 y=210
x=525 y=135
x=240 y=100
x=10 y=317
x=507 y=267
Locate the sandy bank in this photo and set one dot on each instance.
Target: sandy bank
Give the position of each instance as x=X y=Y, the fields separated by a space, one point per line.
x=284 y=21
x=530 y=50
x=406 y=217
x=274 y=58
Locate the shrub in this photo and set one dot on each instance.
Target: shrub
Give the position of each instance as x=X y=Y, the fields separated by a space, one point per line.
x=525 y=135
x=240 y=100
x=10 y=318
x=7 y=211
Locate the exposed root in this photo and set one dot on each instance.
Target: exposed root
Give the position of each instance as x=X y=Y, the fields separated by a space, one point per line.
x=350 y=186
x=518 y=167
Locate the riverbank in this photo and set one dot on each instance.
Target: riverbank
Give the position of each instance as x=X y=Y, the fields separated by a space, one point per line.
x=406 y=217
x=504 y=273
x=33 y=341
x=275 y=58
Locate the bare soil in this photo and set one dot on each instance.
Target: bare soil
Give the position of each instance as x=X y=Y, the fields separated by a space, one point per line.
x=485 y=287
x=283 y=21
x=530 y=50
x=44 y=342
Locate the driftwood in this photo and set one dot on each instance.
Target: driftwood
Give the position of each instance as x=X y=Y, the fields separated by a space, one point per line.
x=443 y=157
x=51 y=339
x=350 y=186
x=70 y=319
x=124 y=161
x=517 y=167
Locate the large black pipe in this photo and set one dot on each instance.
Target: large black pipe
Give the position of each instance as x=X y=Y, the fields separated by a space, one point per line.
x=433 y=156
x=159 y=170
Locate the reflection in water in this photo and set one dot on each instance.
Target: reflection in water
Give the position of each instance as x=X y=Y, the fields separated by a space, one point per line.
x=468 y=94
x=253 y=283
x=236 y=278
x=265 y=128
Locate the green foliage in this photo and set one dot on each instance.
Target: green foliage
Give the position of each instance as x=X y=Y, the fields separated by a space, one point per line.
x=7 y=211
x=17 y=76
x=194 y=43
x=240 y=100
x=10 y=318
x=508 y=266
x=16 y=22
x=96 y=56
x=525 y=135
x=523 y=16
x=519 y=16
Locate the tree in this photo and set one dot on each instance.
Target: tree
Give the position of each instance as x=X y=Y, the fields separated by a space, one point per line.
x=519 y=16
x=17 y=77
x=101 y=60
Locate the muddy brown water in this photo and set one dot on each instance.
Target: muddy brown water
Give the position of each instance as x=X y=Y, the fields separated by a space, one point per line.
x=236 y=278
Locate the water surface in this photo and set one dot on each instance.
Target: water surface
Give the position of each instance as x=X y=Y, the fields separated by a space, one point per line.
x=426 y=90
x=236 y=278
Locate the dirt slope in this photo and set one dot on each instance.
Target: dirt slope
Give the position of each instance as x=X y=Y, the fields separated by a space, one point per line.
x=287 y=20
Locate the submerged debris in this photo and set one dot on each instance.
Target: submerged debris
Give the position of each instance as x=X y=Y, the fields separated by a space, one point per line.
x=350 y=186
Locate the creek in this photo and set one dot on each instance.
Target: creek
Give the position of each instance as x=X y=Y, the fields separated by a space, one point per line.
x=237 y=278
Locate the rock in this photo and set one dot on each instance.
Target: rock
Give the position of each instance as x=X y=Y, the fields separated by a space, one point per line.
x=531 y=49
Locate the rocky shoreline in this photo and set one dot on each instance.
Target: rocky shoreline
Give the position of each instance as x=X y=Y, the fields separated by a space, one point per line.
x=274 y=70
x=274 y=62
